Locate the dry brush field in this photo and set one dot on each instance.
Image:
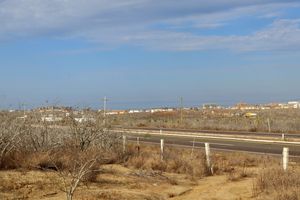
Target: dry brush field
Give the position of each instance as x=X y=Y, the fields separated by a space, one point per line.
x=281 y=120
x=87 y=161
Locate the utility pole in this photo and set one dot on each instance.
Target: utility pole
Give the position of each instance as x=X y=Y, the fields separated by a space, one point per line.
x=24 y=109
x=104 y=109
x=181 y=109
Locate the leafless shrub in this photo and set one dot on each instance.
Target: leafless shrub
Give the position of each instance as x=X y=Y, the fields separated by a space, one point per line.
x=237 y=174
x=10 y=131
x=41 y=137
x=175 y=161
x=74 y=151
x=79 y=165
x=86 y=145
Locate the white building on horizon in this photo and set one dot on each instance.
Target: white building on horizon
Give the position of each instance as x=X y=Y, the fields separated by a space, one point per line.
x=294 y=104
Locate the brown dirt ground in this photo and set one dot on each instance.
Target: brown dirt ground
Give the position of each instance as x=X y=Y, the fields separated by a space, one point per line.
x=219 y=188
x=117 y=182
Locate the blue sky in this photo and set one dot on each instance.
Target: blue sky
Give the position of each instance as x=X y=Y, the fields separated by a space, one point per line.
x=146 y=53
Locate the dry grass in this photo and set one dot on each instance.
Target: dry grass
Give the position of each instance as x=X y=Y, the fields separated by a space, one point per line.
x=238 y=174
x=175 y=161
x=182 y=161
x=281 y=185
x=147 y=167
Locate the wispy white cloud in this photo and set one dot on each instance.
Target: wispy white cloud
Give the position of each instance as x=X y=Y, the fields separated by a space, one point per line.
x=221 y=18
x=117 y=22
x=281 y=35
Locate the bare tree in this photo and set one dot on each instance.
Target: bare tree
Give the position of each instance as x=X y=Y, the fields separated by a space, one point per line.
x=84 y=148
x=75 y=149
x=79 y=165
x=9 y=135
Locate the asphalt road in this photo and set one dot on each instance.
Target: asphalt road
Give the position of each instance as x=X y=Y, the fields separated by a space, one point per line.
x=219 y=144
x=242 y=133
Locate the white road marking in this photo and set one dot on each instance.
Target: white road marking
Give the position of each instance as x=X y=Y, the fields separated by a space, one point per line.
x=223 y=144
x=209 y=137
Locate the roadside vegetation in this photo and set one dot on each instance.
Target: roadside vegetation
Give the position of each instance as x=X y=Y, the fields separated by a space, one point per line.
x=282 y=185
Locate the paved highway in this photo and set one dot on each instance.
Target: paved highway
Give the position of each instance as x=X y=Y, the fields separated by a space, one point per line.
x=238 y=133
x=181 y=138
x=254 y=146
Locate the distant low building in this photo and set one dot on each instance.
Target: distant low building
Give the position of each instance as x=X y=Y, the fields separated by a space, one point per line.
x=154 y=110
x=294 y=104
x=51 y=118
x=250 y=115
x=211 y=106
x=245 y=106
x=116 y=112
x=54 y=109
x=135 y=111
x=84 y=119
x=22 y=117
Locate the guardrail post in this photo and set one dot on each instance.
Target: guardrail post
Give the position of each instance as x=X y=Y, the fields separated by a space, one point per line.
x=161 y=149
x=283 y=136
x=192 y=154
x=285 y=158
x=124 y=143
x=269 y=125
x=160 y=131
x=207 y=155
x=138 y=144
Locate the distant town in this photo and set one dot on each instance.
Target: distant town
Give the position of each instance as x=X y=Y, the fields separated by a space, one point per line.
x=58 y=113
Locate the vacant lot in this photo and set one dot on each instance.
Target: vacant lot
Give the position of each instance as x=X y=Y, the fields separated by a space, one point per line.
x=282 y=121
